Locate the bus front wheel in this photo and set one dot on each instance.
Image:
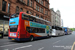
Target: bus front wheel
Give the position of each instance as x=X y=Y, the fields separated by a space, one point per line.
x=31 y=38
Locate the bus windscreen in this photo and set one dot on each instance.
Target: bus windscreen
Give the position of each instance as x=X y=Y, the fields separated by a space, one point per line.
x=13 y=28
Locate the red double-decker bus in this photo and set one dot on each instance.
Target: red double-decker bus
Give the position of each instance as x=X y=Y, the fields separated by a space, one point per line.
x=27 y=27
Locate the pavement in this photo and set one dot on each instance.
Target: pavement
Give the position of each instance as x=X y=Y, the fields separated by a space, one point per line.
x=65 y=42
x=6 y=37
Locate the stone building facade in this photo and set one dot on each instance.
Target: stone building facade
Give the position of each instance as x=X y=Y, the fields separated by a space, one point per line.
x=38 y=8
x=55 y=18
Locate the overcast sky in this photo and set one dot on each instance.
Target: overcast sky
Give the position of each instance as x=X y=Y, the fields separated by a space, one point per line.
x=67 y=9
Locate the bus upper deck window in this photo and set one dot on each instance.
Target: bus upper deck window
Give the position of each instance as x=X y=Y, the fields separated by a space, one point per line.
x=46 y=23
x=36 y=20
x=42 y=22
x=39 y=21
x=31 y=19
x=25 y=17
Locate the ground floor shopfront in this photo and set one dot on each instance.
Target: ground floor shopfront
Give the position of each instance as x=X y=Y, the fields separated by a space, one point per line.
x=4 y=24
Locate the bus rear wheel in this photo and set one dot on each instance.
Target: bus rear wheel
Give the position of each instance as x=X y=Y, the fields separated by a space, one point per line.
x=31 y=38
x=48 y=35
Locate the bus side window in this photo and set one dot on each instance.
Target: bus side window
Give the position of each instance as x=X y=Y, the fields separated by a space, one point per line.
x=25 y=17
x=41 y=21
x=28 y=29
x=44 y=22
x=47 y=23
x=35 y=20
x=35 y=30
x=38 y=20
x=30 y=18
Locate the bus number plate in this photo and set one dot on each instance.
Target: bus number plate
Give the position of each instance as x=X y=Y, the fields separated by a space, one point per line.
x=12 y=34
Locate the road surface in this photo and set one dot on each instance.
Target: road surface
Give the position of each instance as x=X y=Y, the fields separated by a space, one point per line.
x=55 y=43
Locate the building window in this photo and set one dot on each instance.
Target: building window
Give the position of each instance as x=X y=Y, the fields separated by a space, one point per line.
x=17 y=9
x=21 y=0
x=28 y=2
x=8 y=7
x=37 y=15
x=46 y=5
x=4 y=6
x=45 y=18
x=31 y=3
x=36 y=7
x=46 y=12
x=21 y=9
x=27 y=11
x=37 y=0
x=42 y=10
x=41 y=2
x=41 y=17
x=31 y=13
x=24 y=2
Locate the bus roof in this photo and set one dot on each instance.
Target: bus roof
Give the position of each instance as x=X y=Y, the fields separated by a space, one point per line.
x=37 y=17
x=40 y=19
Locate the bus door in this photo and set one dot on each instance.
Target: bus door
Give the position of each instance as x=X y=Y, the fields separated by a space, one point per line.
x=27 y=32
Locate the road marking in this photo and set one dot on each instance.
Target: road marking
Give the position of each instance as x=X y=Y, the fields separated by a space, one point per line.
x=57 y=41
x=73 y=46
x=9 y=45
x=22 y=47
x=41 y=48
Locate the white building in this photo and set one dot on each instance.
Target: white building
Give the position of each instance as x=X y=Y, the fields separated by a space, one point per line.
x=58 y=18
x=61 y=22
x=55 y=18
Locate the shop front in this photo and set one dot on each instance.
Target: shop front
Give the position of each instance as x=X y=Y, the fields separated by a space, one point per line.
x=4 y=25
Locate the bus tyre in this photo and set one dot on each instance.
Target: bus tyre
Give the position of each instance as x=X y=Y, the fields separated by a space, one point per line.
x=31 y=38
x=48 y=35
